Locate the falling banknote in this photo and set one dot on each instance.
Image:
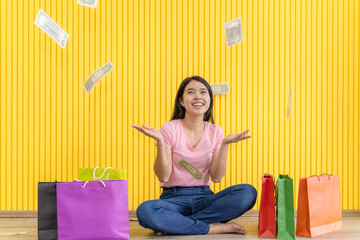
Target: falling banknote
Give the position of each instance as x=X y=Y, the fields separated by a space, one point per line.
x=233 y=32
x=49 y=26
x=288 y=105
x=219 y=88
x=97 y=75
x=88 y=3
x=191 y=169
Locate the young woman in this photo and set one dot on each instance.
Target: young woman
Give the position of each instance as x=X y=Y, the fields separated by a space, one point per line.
x=187 y=205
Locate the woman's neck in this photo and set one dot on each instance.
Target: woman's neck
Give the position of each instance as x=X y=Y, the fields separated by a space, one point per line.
x=193 y=123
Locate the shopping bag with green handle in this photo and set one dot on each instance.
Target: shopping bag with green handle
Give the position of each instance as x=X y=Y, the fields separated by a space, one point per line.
x=92 y=174
x=285 y=208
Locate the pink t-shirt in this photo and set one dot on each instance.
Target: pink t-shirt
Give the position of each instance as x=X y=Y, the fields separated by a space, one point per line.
x=200 y=156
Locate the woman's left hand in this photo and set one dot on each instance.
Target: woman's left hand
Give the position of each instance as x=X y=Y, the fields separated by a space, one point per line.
x=234 y=138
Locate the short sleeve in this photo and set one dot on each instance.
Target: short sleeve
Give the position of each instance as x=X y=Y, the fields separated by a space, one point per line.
x=166 y=132
x=219 y=137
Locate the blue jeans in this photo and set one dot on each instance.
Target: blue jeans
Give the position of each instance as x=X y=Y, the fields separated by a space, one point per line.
x=190 y=210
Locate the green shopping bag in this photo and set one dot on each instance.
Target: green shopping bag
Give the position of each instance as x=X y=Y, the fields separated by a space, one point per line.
x=285 y=208
x=92 y=174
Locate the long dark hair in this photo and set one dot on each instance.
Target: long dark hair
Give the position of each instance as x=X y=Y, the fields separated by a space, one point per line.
x=179 y=111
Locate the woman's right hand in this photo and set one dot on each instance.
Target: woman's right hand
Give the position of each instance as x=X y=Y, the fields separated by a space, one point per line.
x=149 y=131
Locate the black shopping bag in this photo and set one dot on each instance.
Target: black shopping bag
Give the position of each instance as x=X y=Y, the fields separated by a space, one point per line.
x=47 y=219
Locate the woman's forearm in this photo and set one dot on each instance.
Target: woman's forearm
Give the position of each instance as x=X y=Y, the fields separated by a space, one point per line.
x=162 y=165
x=218 y=165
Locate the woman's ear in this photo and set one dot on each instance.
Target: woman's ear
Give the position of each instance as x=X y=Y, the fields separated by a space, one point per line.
x=181 y=101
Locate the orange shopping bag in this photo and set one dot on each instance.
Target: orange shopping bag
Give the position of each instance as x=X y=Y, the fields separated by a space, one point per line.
x=319 y=206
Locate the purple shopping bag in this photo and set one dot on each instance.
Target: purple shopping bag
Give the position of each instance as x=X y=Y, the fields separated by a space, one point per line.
x=92 y=210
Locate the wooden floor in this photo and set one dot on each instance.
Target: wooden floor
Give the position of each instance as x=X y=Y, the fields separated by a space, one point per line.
x=351 y=230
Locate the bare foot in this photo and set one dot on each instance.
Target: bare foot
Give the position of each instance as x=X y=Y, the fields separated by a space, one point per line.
x=226 y=228
x=159 y=234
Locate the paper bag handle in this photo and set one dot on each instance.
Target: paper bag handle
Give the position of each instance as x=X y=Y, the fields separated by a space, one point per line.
x=318 y=176
x=83 y=186
x=102 y=173
x=267 y=175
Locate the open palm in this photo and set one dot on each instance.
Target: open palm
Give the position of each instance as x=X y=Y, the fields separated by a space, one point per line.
x=234 y=138
x=149 y=131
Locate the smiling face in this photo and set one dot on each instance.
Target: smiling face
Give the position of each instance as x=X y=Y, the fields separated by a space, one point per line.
x=196 y=98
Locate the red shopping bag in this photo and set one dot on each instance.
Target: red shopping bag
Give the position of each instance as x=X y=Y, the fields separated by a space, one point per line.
x=319 y=206
x=267 y=216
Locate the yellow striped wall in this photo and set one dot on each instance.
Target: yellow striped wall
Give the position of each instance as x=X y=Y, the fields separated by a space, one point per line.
x=50 y=127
